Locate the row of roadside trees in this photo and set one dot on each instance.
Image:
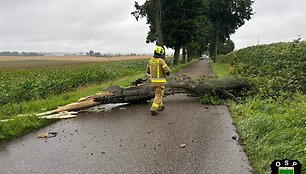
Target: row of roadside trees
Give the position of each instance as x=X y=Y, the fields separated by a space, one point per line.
x=195 y=26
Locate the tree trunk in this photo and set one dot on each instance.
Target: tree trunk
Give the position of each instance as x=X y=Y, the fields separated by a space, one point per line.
x=143 y=91
x=158 y=23
x=189 y=57
x=215 y=41
x=184 y=55
x=216 y=45
x=190 y=54
x=197 y=54
x=176 y=55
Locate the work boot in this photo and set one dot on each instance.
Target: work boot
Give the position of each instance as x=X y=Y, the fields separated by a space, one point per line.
x=154 y=113
x=161 y=108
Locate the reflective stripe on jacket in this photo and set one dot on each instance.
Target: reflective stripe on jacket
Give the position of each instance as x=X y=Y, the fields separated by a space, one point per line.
x=157 y=68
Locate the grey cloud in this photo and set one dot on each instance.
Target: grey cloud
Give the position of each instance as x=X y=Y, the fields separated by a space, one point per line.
x=71 y=25
x=107 y=26
x=273 y=21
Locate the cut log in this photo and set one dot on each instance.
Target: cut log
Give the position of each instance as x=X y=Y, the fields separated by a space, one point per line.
x=143 y=92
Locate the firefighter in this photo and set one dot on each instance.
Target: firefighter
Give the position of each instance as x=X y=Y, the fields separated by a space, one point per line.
x=158 y=70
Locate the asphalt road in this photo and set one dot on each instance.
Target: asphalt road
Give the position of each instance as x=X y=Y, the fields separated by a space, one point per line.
x=127 y=139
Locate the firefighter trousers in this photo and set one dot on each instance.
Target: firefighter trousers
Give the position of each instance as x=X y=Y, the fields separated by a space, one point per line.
x=158 y=100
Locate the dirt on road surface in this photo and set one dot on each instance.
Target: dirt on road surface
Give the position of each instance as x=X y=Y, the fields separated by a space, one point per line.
x=128 y=140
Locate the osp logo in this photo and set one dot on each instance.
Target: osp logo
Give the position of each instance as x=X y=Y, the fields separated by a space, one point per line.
x=286 y=166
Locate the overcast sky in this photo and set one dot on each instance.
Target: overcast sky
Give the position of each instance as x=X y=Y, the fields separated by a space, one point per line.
x=273 y=21
x=108 y=27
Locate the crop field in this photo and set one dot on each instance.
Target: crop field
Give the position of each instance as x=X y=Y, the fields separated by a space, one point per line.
x=34 y=63
x=7 y=62
x=41 y=79
x=73 y=58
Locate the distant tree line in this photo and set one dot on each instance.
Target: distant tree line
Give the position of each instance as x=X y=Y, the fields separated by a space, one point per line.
x=98 y=54
x=194 y=26
x=15 y=53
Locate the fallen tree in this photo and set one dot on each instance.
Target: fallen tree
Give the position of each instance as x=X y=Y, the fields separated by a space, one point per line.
x=181 y=84
x=142 y=91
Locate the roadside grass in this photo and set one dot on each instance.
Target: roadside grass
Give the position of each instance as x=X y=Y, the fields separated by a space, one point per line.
x=180 y=66
x=222 y=70
x=269 y=127
x=21 y=125
x=272 y=130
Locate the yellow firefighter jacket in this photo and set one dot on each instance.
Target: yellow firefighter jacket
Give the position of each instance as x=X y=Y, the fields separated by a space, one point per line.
x=158 y=69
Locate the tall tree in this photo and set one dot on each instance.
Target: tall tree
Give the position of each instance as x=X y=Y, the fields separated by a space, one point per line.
x=185 y=23
x=178 y=21
x=200 y=41
x=226 y=47
x=91 y=53
x=184 y=54
x=158 y=22
x=226 y=16
x=152 y=11
x=193 y=23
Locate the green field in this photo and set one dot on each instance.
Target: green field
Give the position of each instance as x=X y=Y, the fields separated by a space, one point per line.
x=24 y=84
x=5 y=65
x=271 y=121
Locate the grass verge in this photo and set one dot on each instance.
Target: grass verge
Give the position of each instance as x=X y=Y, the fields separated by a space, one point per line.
x=222 y=69
x=269 y=129
x=272 y=130
x=20 y=126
